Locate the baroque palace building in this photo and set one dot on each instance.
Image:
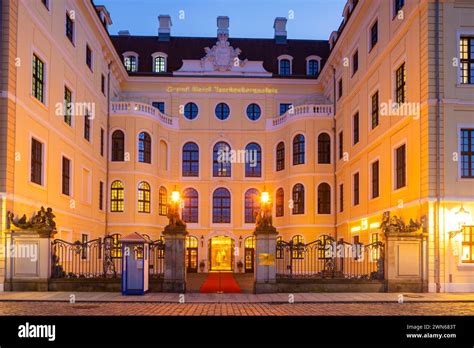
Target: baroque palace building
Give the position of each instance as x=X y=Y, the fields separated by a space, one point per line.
x=380 y=117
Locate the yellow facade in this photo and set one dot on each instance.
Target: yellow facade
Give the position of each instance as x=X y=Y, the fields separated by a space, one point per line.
x=407 y=39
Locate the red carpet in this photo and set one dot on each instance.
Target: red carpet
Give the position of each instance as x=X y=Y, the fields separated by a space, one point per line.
x=220 y=282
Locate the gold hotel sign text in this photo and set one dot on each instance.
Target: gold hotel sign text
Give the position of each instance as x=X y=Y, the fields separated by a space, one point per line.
x=215 y=89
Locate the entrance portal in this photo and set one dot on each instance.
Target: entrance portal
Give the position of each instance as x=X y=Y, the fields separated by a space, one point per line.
x=221 y=256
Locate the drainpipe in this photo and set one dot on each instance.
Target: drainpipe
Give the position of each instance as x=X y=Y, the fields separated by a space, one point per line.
x=438 y=151
x=334 y=148
x=107 y=154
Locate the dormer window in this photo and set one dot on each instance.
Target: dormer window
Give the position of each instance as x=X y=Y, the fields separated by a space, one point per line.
x=284 y=65
x=313 y=65
x=159 y=62
x=130 y=60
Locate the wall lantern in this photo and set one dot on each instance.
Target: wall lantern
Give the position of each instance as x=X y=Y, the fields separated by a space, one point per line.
x=462 y=216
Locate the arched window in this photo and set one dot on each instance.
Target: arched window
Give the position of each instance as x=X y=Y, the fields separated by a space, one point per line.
x=298 y=247
x=280 y=156
x=298 y=199
x=191 y=205
x=144 y=147
x=222 y=111
x=252 y=205
x=221 y=165
x=280 y=202
x=131 y=63
x=159 y=64
x=254 y=112
x=324 y=148
x=313 y=67
x=221 y=206
x=253 y=160
x=163 y=201
x=249 y=242
x=191 y=242
x=285 y=67
x=324 y=199
x=190 y=159
x=143 y=197
x=298 y=149
x=191 y=111
x=116 y=196
x=118 y=146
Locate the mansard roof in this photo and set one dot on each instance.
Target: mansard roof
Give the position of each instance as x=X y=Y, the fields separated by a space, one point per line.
x=192 y=48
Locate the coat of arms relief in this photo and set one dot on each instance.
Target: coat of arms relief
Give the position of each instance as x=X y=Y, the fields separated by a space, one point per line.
x=222 y=55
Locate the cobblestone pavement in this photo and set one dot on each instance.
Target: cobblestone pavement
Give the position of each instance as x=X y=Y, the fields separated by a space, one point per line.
x=245 y=309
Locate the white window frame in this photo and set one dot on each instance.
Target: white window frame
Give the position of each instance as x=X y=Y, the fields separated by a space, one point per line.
x=71 y=176
x=43 y=154
x=402 y=142
x=460 y=33
x=130 y=54
x=290 y=58
x=156 y=55
x=310 y=58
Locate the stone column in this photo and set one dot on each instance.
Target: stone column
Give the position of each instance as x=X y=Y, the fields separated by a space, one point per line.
x=405 y=262
x=265 y=270
x=175 y=252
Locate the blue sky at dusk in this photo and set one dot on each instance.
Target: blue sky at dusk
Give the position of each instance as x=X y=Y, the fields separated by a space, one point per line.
x=313 y=19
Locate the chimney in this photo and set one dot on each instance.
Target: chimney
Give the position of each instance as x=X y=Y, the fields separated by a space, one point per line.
x=164 y=30
x=280 y=30
x=223 y=26
x=124 y=33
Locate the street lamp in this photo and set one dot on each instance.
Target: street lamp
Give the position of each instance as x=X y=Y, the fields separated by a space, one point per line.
x=175 y=196
x=265 y=198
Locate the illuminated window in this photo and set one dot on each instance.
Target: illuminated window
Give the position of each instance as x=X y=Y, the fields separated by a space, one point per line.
x=143 y=197
x=279 y=248
x=324 y=199
x=280 y=156
x=163 y=201
x=118 y=146
x=190 y=161
x=250 y=242
x=466 y=47
x=298 y=149
x=298 y=199
x=191 y=205
x=130 y=63
x=221 y=165
x=298 y=247
x=468 y=244
x=160 y=64
x=253 y=160
x=117 y=197
x=38 y=78
x=144 y=147
x=252 y=205
x=280 y=202
x=322 y=248
x=324 y=148
x=221 y=206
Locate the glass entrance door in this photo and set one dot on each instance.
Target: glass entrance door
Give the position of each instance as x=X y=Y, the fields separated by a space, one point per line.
x=220 y=254
x=191 y=254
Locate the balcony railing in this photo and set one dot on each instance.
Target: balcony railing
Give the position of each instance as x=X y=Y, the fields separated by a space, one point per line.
x=135 y=108
x=301 y=111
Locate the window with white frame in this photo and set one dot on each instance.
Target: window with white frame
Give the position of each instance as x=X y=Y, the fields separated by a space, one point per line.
x=159 y=62
x=130 y=60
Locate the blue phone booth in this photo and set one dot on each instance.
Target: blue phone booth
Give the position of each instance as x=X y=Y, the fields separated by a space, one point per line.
x=135 y=256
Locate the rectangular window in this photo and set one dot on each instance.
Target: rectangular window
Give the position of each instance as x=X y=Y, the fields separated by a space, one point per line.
x=467 y=153
x=341 y=144
x=89 y=57
x=130 y=63
x=67 y=106
x=355 y=128
x=101 y=195
x=375 y=110
x=375 y=179
x=356 y=188
x=87 y=126
x=102 y=139
x=374 y=34
x=69 y=27
x=467 y=244
x=341 y=198
x=339 y=89
x=284 y=107
x=400 y=167
x=466 y=55
x=400 y=92
x=355 y=62
x=38 y=79
x=84 y=239
x=66 y=177
x=36 y=162
x=160 y=106
x=398 y=5
x=102 y=84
